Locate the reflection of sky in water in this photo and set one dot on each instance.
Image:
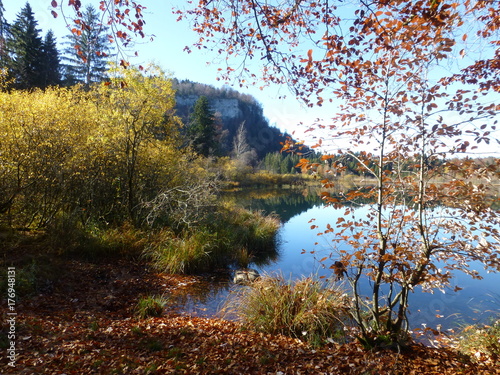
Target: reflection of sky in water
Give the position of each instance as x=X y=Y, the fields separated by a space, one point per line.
x=478 y=299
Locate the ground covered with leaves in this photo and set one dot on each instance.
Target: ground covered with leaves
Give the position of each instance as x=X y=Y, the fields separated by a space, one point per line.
x=83 y=322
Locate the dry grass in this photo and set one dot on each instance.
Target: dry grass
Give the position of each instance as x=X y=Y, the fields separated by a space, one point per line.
x=306 y=309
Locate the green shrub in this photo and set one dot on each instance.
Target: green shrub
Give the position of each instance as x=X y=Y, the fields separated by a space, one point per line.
x=306 y=308
x=150 y=306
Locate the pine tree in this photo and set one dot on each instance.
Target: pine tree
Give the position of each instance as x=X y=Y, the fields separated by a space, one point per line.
x=25 y=47
x=3 y=36
x=88 y=50
x=51 y=74
x=202 y=131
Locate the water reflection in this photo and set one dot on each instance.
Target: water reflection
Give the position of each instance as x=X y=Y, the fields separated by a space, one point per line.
x=287 y=203
x=300 y=248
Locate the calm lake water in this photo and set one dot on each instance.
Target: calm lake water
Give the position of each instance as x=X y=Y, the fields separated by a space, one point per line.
x=478 y=300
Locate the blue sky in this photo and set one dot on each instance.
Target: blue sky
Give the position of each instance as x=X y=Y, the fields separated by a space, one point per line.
x=167 y=51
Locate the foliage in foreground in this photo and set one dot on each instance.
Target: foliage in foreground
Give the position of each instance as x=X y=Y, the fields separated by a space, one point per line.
x=386 y=69
x=106 y=339
x=306 y=308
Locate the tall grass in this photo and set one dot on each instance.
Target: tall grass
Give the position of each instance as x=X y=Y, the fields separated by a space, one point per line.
x=186 y=253
x=307 y=308
x=233 y=236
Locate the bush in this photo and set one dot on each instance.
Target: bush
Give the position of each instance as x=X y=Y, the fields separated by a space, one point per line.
x=306 y=309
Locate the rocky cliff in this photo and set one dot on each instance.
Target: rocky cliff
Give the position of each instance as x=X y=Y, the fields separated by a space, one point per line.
x=231 y=108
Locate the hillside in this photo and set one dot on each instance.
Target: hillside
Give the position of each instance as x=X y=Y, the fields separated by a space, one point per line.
x=231 y=109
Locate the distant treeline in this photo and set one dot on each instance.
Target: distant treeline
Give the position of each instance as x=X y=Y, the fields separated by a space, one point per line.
x=346 y=164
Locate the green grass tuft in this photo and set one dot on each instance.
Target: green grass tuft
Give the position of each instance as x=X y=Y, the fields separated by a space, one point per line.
x=150 y=306
x=305 y=309
x=234 y=236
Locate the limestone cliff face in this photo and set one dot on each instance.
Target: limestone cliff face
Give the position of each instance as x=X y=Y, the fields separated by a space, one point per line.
x=225 y=108
x=233 y=109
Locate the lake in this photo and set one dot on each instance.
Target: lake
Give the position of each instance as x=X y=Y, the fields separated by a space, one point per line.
x=478 y=300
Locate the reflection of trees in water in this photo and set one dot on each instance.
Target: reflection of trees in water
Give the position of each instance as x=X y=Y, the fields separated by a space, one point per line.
x=261 y=259
x=284 y=202
x=287 y=203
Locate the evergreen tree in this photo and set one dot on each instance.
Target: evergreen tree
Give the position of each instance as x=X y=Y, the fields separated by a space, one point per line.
x=51 y=74
x=202 y=131
x=88 y=50
x=3 y=37
x=25 y=47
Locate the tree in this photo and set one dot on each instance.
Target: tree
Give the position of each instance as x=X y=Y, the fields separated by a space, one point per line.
x=381 y=60
x=88 y=49
x=104 y=155
x=201 y=130
x=140 y=107
x=241 y=149
x=26 y=50
x=3 y=35
x=50 y=74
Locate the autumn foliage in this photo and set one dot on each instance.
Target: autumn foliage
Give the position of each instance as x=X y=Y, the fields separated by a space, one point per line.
x=89 y=156
x=398 y=94
x=405 y=82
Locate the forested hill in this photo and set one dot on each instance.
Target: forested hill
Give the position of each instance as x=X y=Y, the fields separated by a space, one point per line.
x=231 y=109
